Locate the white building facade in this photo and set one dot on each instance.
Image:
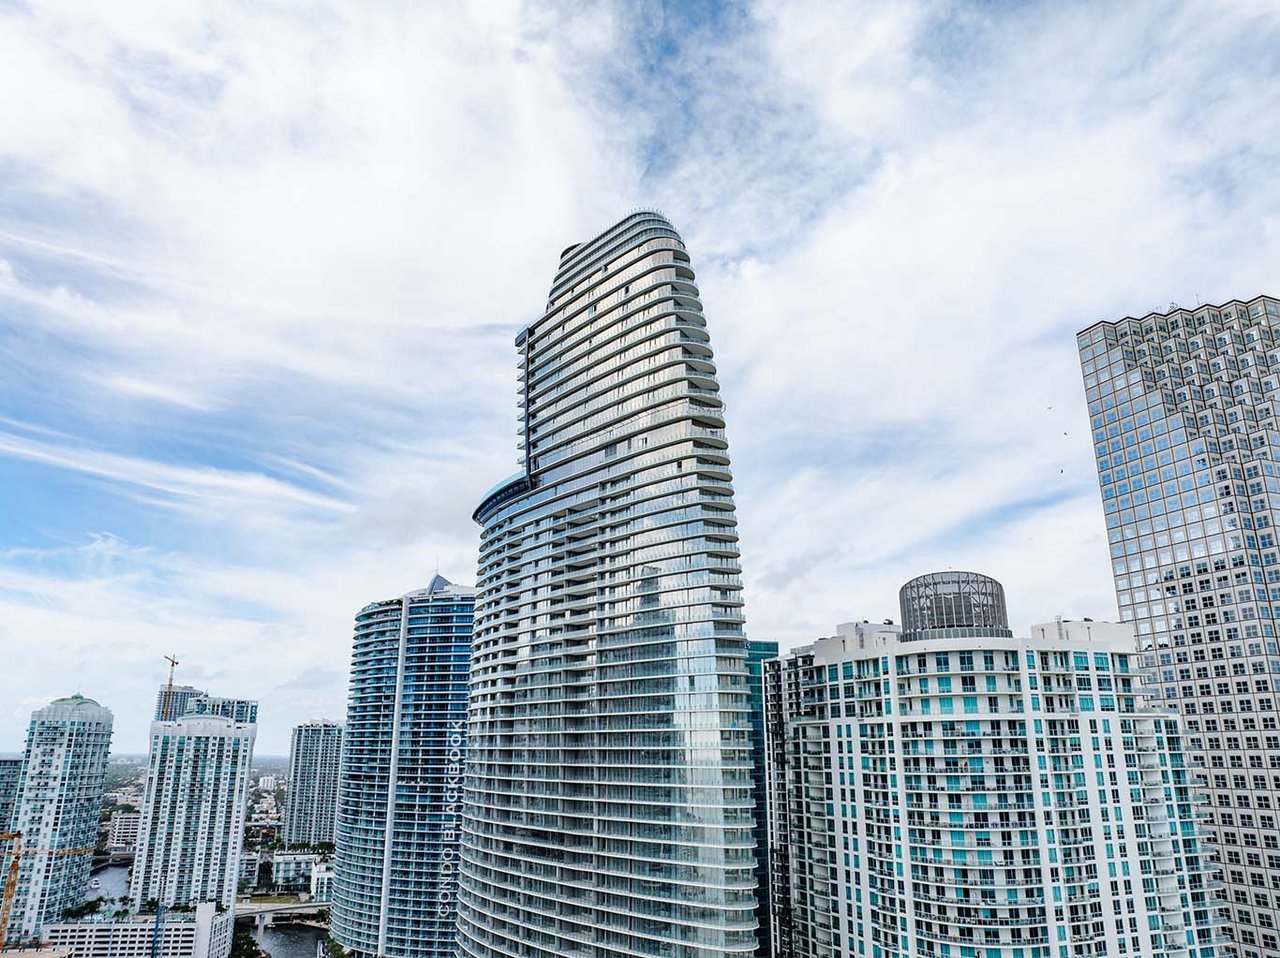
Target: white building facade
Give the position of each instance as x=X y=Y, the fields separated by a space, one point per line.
x=193 y=810
x=954 y=790
x=122 y=834
x=58 y=802
x=1183 y=412
x=311 y=801
x=204 y=933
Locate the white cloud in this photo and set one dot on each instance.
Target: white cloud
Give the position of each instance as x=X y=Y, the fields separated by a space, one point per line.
x=260 y=268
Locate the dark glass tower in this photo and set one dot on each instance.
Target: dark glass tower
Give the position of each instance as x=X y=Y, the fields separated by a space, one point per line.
x=760 y=651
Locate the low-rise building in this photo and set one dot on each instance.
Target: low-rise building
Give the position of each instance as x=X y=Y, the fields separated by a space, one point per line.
x=202 y=933
x=123 y=835
x=322 y=880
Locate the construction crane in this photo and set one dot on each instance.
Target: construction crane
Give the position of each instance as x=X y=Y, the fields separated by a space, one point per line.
x=16 y=854
x=168 y=692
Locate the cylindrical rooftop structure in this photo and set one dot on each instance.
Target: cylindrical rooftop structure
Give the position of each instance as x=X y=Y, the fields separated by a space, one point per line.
x=953 y=605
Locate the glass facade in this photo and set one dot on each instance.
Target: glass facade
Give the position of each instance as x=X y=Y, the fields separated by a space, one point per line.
x=609 y=808
x=998 y=798
x=56 y=807
x=760 y=651
x=395 y=869
x=1183 y=417
x=315 y=761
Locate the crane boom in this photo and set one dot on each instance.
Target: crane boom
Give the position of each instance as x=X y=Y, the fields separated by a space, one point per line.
x=16 y=854
x=168 y=692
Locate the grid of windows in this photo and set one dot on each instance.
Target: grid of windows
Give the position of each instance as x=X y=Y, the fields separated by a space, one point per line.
x=395 y=870
x=1182 y=407
x=1013 y=798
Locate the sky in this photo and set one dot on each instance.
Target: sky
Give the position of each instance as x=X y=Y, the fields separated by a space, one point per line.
x=261 y=266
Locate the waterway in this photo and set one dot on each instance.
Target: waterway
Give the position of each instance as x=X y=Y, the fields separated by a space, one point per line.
x=278 y=941
x=290 y=941
x=114 y=882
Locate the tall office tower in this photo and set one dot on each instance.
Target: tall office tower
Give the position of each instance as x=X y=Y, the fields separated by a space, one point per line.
x=59 y=799
x=10 y=773
x=172 y=702
x=954 y=790
x=315 y=762
x=193 y=806
x=759 y=652
x=1184 y=428
x=609 y=808
x=395 y=873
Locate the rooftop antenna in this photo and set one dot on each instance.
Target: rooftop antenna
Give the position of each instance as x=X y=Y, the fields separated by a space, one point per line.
x=168 y=692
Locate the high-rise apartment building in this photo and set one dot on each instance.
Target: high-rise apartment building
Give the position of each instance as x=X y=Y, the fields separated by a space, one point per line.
x=760 y=651
x=310 y=804
x=953 y=790
x=609 y=808
x=1182 y=408
x=395 y=873
x=10 y=774
x=172 y=701
x=193 y=807
x=58 y=801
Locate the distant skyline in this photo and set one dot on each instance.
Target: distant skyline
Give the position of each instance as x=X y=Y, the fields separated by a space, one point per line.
x=257 y=364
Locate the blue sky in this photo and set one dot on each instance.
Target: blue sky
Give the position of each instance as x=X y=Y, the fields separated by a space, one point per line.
x=260 y=268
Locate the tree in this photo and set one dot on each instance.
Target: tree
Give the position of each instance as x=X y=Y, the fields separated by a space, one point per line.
x=244 y=945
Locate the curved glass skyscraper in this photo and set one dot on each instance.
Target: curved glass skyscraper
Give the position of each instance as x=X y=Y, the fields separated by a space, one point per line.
x=608 y=793
x=395 y=872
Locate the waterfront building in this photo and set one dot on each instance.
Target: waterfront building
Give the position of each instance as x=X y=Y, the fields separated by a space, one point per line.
x=291 y=871
x=395 y=869
x=951 y=789
x=193 y=807
x=173 y=701
x=322 y=880
x=760 y=651
x=608 y=795
x=122 y=834
x=315 y=763
x=247 y=870
x=202 y=933
x=59 y=800
x=1183 y=413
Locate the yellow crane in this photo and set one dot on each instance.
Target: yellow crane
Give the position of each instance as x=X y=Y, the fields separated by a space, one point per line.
x=16 y=854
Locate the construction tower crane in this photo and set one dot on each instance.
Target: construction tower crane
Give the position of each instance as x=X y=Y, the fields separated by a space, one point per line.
x=16 y=854
x=168 y=692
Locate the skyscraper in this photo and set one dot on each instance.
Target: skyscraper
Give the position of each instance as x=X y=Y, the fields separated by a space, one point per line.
x=952 y=789
x=1183 y=415
x=172 y=702
x=396 y=868
x=760 y=651
x=609 y=808
x=193 y=807
x=59 y=799
x=10 y=774
x=315 y=761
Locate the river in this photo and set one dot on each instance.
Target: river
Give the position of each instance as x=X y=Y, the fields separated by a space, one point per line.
x=114 y=882
x=290 y=941
x=278 y=941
